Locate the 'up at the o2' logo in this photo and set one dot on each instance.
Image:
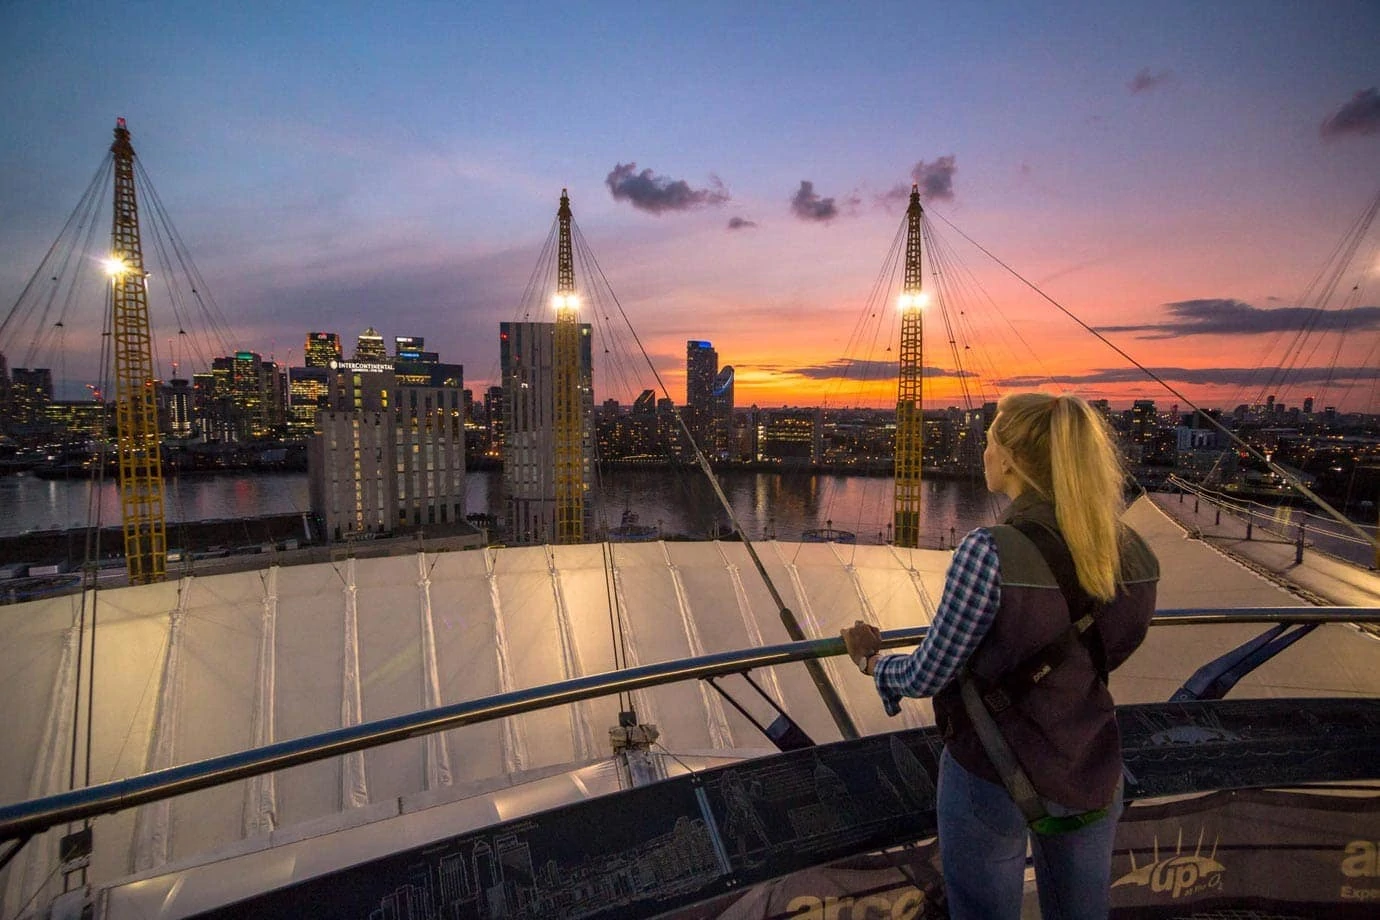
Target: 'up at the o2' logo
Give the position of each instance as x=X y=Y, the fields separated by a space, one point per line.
x=1180 y=874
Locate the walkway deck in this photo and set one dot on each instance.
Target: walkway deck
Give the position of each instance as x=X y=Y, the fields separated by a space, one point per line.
x=1319 y=578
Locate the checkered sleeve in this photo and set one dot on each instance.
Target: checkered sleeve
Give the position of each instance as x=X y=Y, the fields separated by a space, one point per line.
x=972 y=593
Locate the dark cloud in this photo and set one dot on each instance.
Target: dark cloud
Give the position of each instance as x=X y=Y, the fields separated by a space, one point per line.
x=808 y=205
x=655 y=194
x=740 y=223
x=844 y=369
x=1361 y=115
x=1232 y=317
x=1147 y=80
x=936 y=180
x=1202 y=376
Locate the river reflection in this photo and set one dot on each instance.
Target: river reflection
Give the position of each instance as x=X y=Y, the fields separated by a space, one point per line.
x=784 y=505
x=678 y=502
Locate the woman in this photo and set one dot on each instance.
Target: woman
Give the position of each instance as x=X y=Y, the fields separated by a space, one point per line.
x=1002 y=608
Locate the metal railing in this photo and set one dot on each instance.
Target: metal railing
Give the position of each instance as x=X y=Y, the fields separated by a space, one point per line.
x=24 y=819
x=1355 y=542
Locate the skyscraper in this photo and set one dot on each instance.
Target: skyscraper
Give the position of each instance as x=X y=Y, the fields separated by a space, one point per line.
x=369 y=346
x=721 y=411
x=701 y=365
x=320 y=349
x=249 y=398
x=411 y=348
x=527 y=364
x=708 y=398
x=175 y=407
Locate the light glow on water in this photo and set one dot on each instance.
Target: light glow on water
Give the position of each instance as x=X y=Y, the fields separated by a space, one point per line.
x=783 y=505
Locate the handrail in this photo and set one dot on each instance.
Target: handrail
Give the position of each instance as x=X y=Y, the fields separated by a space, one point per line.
x=24 y=819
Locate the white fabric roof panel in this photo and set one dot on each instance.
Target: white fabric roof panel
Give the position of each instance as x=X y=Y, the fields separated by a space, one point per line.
x=205 y=666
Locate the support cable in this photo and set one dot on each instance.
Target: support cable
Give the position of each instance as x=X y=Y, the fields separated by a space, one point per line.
x=80 y=216
x=832 y=701
x=1235 y=438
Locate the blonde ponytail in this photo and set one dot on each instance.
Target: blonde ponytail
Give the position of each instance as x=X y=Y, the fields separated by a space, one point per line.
x=1062 y=447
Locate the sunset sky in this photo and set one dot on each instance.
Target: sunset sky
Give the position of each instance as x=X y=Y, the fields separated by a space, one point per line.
x=1179 y=176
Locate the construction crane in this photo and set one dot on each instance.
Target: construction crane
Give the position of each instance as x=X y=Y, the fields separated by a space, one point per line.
x=567 y=397
x=910 y=418
x=136 y=404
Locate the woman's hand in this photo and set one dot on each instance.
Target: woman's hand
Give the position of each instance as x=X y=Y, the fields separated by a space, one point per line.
x=862 y=640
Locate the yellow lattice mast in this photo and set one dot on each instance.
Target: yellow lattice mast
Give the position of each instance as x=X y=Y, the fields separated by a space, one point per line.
x=569 y=405
x=136 y=412
x=910 y=421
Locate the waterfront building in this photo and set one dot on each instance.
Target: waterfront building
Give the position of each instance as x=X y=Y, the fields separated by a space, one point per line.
x=629 y=435
x=320 y=349
x=742 y=435
x=210 y=412
x=1141 y=423
x=4 y=392
x=792 y=437
x=176 y=402
x=307 y=393
x=527 y=365
x=30 y=391
x=248 y=398
x=429 y=453
x=493 y=422
x=387 y=456
x=77 y=419
x=352 y=476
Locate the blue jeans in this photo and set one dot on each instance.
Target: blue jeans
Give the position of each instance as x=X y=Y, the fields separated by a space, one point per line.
x=982 y=843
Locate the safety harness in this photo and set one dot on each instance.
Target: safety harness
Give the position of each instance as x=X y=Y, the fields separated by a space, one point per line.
x=982 y=698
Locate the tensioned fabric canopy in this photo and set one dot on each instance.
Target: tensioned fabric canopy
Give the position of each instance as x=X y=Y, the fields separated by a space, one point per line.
x=205 y=666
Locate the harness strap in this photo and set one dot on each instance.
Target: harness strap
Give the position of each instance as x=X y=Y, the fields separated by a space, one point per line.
x=1015 y=780
x=1003 y=692
x=997 y=696
x=1057 y=556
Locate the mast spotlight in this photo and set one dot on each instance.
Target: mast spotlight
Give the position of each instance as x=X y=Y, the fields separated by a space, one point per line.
x=566 y=301
x=912 y=300
x=115 y=266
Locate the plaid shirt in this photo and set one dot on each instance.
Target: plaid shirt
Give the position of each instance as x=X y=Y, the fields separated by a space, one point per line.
x=972 y=593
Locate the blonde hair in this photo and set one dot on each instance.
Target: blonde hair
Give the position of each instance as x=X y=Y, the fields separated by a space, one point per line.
x=1062 y=448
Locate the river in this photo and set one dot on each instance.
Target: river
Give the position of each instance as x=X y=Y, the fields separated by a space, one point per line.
x=679 y=502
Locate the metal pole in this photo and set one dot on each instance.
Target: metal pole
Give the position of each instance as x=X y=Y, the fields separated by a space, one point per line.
x=832 y=701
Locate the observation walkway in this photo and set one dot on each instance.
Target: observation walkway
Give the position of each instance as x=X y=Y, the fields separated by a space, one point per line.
x=1269 y=544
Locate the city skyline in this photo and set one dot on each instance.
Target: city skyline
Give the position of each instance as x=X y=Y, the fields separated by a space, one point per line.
x=1176 y=180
